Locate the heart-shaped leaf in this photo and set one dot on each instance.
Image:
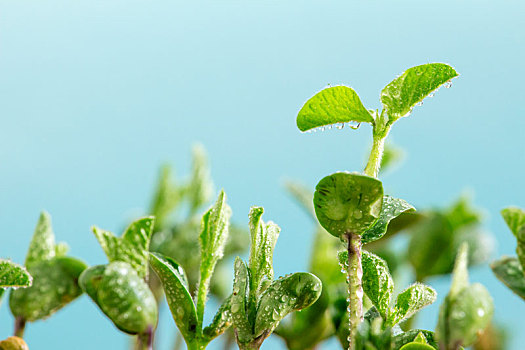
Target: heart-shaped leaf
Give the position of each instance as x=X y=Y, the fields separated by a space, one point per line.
x=221 y=321
x=122 y=295
x=338 y=104
x=243 y=328
x=411 y=87
x=54 y=286
x=377 y=282
x=263 y=239
x=410 y=301
x=132 y=247
x=287 y=294
x=391 y=208
x=179 y=299
x=509 y=271
x=347 y=203
x=14 y=275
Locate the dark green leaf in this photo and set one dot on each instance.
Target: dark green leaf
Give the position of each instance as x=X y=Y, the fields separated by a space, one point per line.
x=338 y=104
x=283 y=296
x=14 y=275
x=122 y=295
x=243 y=329
x=175 y=286
x=377 y=282
x=410 y=301
x=42 y=246
x=411 y=87
x=509 y=271
x=347 y=203
x=391 y=208
x=132 y=247
x=54 y=286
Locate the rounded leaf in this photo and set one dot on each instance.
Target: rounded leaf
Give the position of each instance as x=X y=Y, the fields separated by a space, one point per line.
x=347 y=203
x=122 y=295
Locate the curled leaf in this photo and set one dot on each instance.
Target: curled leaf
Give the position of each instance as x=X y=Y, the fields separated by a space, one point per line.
x=411 y=87
x=509 y=271
x=122 y=295
x=287 y=294
x=175 y=286
x=347 y=203
x=338 y=104
x=390 y=209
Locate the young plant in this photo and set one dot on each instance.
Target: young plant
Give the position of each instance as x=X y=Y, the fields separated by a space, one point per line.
x=187 y=313
x=466 y=310
x=259 y=303
x=119 y=288
x=352 y=206
x=55 y=278
x=510 y=270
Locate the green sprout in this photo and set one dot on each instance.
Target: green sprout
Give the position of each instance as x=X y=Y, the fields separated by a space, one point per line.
x=348 y=205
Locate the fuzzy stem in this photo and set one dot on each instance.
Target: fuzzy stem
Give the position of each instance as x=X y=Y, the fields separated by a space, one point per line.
x=202 y=294
x=376 y=154
x=20 y=326
x=355 y=288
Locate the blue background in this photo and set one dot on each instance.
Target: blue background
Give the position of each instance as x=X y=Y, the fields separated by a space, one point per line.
x=95 y=95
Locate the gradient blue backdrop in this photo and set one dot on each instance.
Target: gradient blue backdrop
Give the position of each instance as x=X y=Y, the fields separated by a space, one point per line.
x=94 y=95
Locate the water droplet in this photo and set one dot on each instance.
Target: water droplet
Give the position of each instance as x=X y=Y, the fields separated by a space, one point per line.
x=448 y=85
x=481 y=312
x=235 y=307
x=358 y=214
x=275 y=315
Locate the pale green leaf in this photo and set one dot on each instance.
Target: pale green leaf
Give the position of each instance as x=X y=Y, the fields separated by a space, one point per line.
x=54 y=286
x=14 y=275
x=347 y=203
x=285 y=295
x=509 y=271
x=515 y=219
x=263 y=239
x=179 y=299
x=410 y=301
x=42 y=246
x=377 y=282
x=122 y=295
x=460 y=273
x=338 y=104
x=166 y=198
x=200 y=189
x=391 y=208
x=221 y=321
x=411 y=87
x=132 y=247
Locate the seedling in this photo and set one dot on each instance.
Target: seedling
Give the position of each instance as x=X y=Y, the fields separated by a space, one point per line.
x=352 y=206
x=55 y=278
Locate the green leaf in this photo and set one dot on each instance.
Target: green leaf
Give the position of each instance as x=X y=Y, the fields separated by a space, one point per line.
x=42 y=246
x=347 y=203
x=509 y=271
x=54 y=286
x=221 y=321
x=401 y=339
x=515 y=219
x=214 y=234
x=419 y=343
x=200 y=189
x=132 y=247
x=243 y=329
x=166 y=198
x=377 y=282
x=411 y=87
x=283 y=296
x=391 y=208
x=463 y=316
x=263 y=240
x=122 y=295
x=460 y=273
x=14 y=275
x=338 y=104
x=410 y=301
x=179 y=299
